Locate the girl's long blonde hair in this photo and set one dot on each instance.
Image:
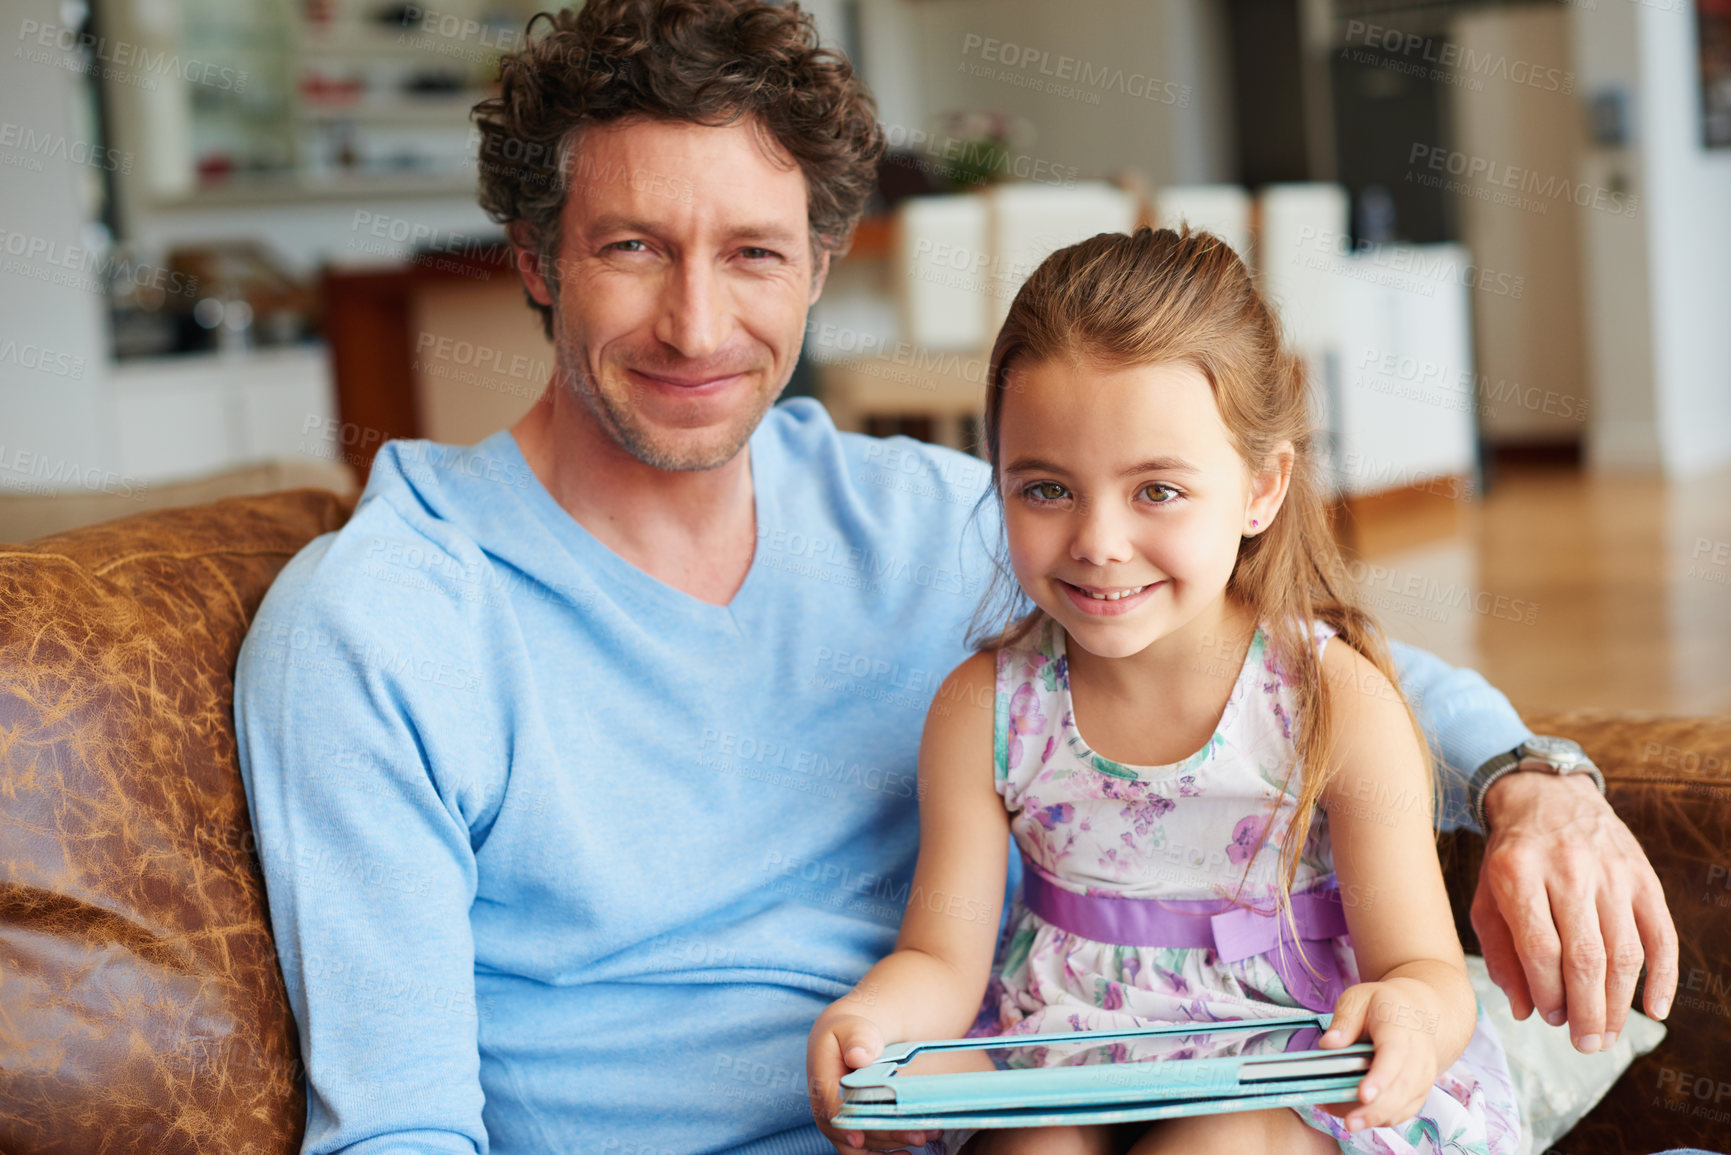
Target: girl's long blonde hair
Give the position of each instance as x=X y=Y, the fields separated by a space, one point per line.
x=1163 y=296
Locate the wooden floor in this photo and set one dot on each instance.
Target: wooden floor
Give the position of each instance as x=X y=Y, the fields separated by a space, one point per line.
x=1565 y=588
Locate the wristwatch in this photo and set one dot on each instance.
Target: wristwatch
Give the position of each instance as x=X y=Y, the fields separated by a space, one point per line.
x=1550 y=755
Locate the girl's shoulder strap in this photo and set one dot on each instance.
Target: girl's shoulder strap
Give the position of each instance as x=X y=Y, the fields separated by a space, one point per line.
x=1030 y=667
x=1041 y=647
x=1261 y=652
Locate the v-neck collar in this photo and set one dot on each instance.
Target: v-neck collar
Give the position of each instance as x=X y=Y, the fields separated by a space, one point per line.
x=626 y=580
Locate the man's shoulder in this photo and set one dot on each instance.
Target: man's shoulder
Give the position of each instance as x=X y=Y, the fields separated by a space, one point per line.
x=385 y=532
x=424 y=472
x=385 y=579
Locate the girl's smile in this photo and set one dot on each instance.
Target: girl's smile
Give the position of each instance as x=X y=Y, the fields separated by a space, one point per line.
x=1108 y=600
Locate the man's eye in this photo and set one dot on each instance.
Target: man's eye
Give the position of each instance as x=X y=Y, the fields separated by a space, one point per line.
x=754 y=253
x=1159 y=493
x=619 y=246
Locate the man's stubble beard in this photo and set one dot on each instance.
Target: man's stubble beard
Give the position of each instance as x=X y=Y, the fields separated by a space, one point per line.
x=620 y=421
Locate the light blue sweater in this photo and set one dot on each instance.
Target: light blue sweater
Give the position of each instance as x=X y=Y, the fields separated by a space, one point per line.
x=561 y=859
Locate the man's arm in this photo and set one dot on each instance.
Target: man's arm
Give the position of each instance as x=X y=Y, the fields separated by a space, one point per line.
x=368 y=866
x=1466 y=719
x=1567 y=906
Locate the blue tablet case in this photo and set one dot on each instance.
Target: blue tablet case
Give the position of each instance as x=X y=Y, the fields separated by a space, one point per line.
x=1254 y=1070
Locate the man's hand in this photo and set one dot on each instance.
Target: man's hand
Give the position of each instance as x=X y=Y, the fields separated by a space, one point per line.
x=1568 y=907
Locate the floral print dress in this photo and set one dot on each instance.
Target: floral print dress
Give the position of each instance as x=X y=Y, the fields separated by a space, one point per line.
x=1196 y=829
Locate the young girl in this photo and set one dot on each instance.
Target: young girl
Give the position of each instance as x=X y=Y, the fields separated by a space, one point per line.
x=1194 y=717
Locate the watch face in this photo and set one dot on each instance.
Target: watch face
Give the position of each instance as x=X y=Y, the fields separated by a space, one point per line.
x=1560 y=748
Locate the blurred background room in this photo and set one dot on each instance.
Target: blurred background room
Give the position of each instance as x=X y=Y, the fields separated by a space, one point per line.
x=239 y=249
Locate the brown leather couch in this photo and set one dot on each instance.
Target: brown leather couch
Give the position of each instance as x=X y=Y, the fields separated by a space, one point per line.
x=141 y=1008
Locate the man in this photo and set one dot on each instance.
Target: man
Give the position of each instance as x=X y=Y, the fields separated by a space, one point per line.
x=582 y=760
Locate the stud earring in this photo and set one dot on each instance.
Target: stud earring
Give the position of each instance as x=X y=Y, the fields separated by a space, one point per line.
x=1253 y=525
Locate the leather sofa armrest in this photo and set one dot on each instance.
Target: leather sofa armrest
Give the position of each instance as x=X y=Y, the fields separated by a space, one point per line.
x=1669 y=779
x=141 y=1003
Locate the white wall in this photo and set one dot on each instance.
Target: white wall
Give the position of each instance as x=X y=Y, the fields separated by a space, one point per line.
x=1687 y=210
x=56 y=413
x=1658 y=283
x=1534 y=341
x=885 y=56
x=916 y=57
x=82 y=423
x=1623 y=432
x=303 y=237
x=1182 y=136
x=480 y=358
x=891 y=68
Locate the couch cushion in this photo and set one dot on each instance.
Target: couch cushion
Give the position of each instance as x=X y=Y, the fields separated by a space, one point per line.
x=1670 y=780
x=141 y=1007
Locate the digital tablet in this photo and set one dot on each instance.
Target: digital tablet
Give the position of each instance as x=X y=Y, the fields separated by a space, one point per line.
x=1102 y=1076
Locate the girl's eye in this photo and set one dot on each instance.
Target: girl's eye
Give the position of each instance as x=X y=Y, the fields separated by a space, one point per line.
x=1045 y=491
x=1158 y=493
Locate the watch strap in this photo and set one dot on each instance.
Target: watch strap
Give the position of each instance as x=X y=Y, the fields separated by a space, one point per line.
x=1483 y=779
x=1508 y=762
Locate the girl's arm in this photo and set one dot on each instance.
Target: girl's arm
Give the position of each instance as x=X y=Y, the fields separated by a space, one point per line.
x=930 y=987
x=1415 y=1002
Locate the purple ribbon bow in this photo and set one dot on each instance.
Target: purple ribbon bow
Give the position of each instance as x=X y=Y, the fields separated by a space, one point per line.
x=1234 y=933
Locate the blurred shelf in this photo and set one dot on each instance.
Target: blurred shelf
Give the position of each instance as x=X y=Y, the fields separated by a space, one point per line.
x=169 y=368
x=339 y=103
x=371 y=42
x=449 y=110
x=297 y=188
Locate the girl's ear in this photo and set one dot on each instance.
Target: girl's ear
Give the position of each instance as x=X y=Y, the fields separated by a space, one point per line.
x=1268 y=489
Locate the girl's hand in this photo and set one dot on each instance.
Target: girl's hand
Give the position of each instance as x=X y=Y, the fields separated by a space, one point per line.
x=841 y=1043
x=1401 y=1017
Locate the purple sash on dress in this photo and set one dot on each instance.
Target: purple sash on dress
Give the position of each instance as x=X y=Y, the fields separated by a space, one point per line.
x=1233 y=932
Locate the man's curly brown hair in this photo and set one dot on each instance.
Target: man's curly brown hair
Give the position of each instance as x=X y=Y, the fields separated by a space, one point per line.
x=710 y=62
